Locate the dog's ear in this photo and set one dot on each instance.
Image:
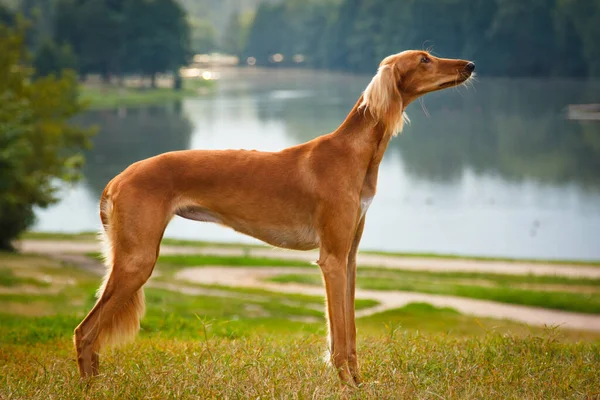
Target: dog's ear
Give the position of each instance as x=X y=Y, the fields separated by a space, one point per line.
x=383 y=100
x=381 y=91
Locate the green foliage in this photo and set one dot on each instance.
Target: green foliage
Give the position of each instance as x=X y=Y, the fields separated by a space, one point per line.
x=504 y=37
x=37 y=142
x=581 y=18
x=124 y=37
x=156 y=36
x=51 y=58
x=236 y=34
x=203 y=35
x=289 y=28
x=6 y=15
x=211 y=23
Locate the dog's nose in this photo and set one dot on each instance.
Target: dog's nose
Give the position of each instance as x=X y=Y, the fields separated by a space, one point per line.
x=470 y=67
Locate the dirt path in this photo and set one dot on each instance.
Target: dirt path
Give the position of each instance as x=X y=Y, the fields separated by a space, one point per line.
x=255 y=278
x=407 y=263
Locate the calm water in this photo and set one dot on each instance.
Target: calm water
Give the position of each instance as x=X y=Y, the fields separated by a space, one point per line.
x=494 y=170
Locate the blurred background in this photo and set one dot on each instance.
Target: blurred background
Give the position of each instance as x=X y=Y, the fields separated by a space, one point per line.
x=485 y=230
x=507 y=167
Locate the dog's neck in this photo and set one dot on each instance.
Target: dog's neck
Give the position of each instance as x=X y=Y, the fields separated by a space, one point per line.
x=367 y=135
x=367 y=138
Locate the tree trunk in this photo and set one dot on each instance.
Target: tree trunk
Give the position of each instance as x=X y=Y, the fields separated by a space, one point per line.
x=177 y=82
x=153 y=81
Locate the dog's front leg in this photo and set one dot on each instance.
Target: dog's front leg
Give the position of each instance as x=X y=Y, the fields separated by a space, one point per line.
x=350 y=290
x=333 y=268
x=336 y=241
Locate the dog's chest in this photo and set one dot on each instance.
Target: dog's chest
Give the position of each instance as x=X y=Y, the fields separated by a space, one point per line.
x=295 y=237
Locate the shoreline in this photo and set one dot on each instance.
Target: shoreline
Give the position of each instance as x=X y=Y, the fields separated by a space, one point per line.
x=133 y=93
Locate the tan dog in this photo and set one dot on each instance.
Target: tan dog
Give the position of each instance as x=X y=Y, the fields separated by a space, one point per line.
x=314 y=195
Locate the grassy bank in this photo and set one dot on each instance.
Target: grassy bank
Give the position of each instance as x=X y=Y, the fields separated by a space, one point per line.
x=111 y=96
x=218 y=342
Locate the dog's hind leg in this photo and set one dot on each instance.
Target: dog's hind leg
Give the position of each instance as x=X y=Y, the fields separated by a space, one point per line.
x=134 y=235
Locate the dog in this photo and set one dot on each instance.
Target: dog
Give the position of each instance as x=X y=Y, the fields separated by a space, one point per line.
x=313 y=195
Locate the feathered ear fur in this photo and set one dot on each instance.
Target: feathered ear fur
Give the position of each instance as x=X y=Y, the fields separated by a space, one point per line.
x=383 y=100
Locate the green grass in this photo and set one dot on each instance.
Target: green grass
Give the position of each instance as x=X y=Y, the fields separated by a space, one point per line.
x=397 y=365
x=395 y=276
x=229 y=261
x=251 y=343
x=82 y=236
x=114 y=96
x=197 y=243
x=495 y=287
x=9 y=279
x=591 y=263
x=485 y=286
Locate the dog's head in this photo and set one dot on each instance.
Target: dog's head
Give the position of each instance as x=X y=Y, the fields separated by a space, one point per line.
x=404 y=77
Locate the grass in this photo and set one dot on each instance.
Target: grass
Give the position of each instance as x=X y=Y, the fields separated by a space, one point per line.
x=9 y=279
x=82 y=236
x=110 y=96
x=250 y=343
x=555 y=292
x=590 y=263
x=371 y=276
x=564 y=294
x=397 y=365
x=230 y=261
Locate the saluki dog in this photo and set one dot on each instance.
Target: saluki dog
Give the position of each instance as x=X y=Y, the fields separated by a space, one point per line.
x=313 y=195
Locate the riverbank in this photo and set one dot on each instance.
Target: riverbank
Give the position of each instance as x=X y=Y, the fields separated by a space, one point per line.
x=132 y=93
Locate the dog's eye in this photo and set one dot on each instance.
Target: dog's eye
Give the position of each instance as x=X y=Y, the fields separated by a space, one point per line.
x=425 y=60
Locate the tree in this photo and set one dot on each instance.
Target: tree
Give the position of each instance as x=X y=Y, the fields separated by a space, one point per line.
x=94 y=29
x=337 y=47
x=233 y=39
x=583 y=17
x=266 y=33
x=6 y=16
x=38 y=145
x=504 y=37
x=203 y=37
x=53 y=59
x=156 y=37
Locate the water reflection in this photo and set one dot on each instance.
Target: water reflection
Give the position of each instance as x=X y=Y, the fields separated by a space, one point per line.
x=512 y=128
x=492 y=170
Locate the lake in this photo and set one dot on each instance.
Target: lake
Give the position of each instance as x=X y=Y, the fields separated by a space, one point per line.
x=495 y=169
